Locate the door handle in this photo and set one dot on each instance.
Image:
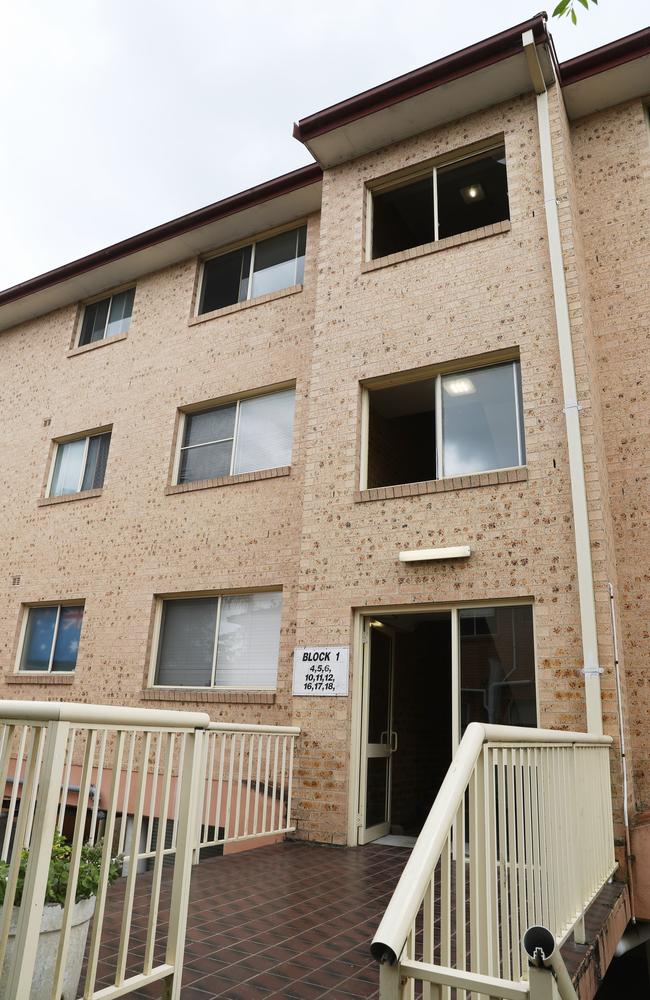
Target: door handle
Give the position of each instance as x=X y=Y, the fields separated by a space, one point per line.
x=383 y=737
x=393 y=742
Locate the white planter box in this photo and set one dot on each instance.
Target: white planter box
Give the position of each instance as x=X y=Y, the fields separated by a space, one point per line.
x=48 y=943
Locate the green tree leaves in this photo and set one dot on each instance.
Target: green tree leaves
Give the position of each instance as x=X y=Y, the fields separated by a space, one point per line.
x=567 y=8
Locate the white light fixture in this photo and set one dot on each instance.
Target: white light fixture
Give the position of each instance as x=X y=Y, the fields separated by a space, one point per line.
x=472 y=193
x=429 y=555
x=460 y=386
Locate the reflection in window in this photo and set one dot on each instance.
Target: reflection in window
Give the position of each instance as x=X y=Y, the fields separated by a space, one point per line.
x=248 y=435
x=497 y=666
x=107 y=318
x=80 y=464
x=51 y=638
x=257 y=269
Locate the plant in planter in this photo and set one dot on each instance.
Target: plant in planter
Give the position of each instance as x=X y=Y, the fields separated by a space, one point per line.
x=57 y=887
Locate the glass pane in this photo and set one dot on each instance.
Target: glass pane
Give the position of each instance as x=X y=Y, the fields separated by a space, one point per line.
x=187 y=642
x=377 y=791
x=479 y=420
x=275 y=263
x=67 y=467
x=249 y=640
x=403 y=217
x=94 y=322
x=381 y=646
x=119 y=319
x=222 y=279
x=472 y=193
x=96 y=461
x=67 y=638
x=497 y=666
x=207 y=461
x=39 y=636
x=210 y=425
x=265 y=432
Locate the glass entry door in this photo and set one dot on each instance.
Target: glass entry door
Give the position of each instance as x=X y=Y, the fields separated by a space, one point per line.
x=380 y=741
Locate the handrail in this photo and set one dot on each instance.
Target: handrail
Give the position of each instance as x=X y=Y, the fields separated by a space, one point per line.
x=100 y=715
x=393 y=931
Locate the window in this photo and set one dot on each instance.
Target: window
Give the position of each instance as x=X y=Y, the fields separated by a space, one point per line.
x=497 y=666
x=247 y=435
x=51 y=639
x=107 y=318
x=80 y=464
x=230 y=641
x=253 y=270
x=447 y=425
x=454 y=198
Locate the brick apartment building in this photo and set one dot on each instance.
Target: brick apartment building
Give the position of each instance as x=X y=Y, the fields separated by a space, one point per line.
x=390 y=410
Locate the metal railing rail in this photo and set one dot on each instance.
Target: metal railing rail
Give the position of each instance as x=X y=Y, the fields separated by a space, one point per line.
x=520 y=834
x=151 y=786
x=43 y=739
x=248 y=783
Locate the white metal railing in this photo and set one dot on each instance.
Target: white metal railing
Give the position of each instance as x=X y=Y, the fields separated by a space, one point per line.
x=248 y=783
x=520 y=834
x=153 y=787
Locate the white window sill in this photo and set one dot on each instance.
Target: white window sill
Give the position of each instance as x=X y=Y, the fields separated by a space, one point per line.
x=238 y=306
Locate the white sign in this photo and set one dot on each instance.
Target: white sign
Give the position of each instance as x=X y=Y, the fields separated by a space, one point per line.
x=321 y=670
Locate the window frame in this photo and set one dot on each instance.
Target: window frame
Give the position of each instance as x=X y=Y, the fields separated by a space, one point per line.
x=26 y=608
x=59 y=442
x=242 y=245
x=77 y=345
x=412 y=174
x=190 y=411
x=437 y=374
x=218 y=595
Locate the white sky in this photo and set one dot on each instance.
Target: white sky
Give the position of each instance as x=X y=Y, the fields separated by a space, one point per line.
x=118 y=115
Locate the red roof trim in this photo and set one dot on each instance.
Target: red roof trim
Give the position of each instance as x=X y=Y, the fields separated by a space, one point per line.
x=617 y=53
x=452 y=67
x=285 y=184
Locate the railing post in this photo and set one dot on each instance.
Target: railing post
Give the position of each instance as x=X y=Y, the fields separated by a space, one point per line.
x=183 y=867
x=542 y=984
x=390 y=986
x=201 y=780
x=48 y=791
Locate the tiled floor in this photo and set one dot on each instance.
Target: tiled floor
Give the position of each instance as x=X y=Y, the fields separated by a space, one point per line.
x=293 y=920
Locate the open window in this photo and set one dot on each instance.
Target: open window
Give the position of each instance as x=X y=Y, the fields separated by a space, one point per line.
x=107 y=317
x=447 y=199
x=450 y=424
x=253 y=270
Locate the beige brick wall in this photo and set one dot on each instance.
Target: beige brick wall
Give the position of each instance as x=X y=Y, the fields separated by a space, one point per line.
x=309 y=531
x=611 y=160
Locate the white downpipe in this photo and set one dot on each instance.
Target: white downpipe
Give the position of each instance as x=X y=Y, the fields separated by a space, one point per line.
x=621 y=731
x=591 y=667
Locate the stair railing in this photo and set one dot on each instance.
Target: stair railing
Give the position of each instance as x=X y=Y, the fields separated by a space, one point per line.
x=520 y=834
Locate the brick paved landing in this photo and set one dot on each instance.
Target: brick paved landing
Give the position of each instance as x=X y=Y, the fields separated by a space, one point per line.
x=293 y=920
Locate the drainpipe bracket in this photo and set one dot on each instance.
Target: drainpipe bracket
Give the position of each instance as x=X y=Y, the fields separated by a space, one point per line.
x=572 y=405
x=592 y=671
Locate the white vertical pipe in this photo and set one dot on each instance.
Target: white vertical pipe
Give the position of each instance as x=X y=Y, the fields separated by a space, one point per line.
x=571 y=411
